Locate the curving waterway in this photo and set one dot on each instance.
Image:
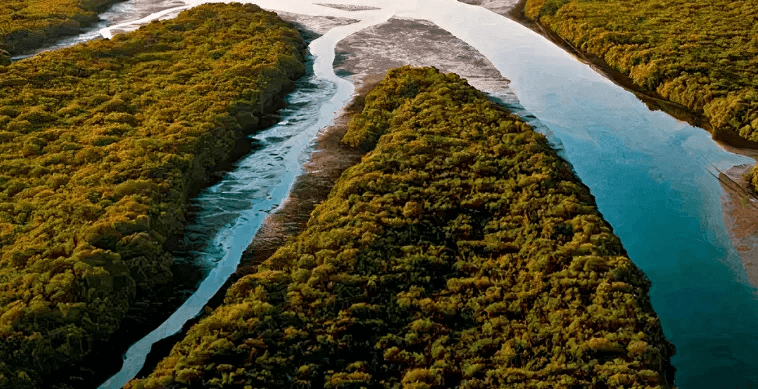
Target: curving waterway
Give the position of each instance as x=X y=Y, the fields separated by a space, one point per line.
x=652 y=176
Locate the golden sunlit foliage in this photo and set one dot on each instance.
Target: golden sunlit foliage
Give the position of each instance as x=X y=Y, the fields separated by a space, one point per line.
x=101 y=146
x=462 y=252
x=702 y=54
x=27 y=24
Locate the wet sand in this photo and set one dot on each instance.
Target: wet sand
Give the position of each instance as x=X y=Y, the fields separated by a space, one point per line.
x=351 y=8
x=312 y=27
x=329 y=159
x=502 y=7
x=364 y=58
x=377 y=49
x=739 y=206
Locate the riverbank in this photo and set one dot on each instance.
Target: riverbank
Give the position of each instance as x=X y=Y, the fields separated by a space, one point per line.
x=104 y=145
x=330 y=158
x=740 y=207
x=652 y=99
x=738 y=194
x=410 y=253
x=698 y=53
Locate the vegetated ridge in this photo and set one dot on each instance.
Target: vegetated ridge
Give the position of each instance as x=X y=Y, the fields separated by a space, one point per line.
x=102 y=146
x=461 y=252
x=702 y=54
x=26 y=25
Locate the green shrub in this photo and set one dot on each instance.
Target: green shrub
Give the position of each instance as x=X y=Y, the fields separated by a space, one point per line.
x=102 y=148
x=26 y=25
x=701 y=54
x=461 y=252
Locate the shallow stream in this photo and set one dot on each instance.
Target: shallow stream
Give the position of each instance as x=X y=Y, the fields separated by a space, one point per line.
x=652 y=176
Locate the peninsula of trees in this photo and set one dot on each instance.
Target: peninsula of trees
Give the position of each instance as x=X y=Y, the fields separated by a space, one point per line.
x=461 y=252
x=101 y=147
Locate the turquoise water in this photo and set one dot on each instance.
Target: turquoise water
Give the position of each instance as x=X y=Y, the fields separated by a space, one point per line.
x=651 y=176
x=669 y=221
x=652 y=179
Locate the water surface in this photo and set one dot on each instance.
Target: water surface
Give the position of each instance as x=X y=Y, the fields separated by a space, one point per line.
x=649 y=173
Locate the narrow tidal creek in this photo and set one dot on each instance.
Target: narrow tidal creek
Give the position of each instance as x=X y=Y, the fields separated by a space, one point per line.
x=652 y=176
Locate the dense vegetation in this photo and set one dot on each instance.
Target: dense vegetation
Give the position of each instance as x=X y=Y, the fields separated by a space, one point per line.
x=27 y=24
x=461 y=252
x=101 y=146
x=702 y=54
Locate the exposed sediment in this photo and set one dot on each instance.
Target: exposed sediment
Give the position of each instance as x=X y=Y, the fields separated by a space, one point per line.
x=399 y=42
x=460 y=252
x=740 y=209
x=329 y=159
x=502 y=7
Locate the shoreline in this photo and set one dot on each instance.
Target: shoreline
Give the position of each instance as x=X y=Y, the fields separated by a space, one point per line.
x=740 y=211
x=653 y=100
x=329 y=159
x=739 y=201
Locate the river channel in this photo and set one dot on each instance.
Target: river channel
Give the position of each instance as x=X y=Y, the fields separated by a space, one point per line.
x=654 y=178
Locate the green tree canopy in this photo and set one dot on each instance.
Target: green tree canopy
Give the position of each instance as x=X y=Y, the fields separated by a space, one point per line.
x=461 y=252
x=26 y=25
x=101 y=147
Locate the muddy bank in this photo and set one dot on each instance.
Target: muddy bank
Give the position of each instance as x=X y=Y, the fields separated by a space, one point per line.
x=345 y=7
x=740 y=210
x=312 y=27
x=363 y=57
x=371 y=52
x=502 y=7
x=329 y=159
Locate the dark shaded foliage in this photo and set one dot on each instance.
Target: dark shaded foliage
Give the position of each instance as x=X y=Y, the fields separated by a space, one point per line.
x=461 y=252
x=101 y=146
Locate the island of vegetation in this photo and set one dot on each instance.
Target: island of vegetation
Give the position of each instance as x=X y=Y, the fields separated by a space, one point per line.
x=460 y=252
x=701 y=54
x=102 y=146
x=26 y=25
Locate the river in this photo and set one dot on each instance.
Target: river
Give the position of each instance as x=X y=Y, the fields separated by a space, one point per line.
x=652 y=176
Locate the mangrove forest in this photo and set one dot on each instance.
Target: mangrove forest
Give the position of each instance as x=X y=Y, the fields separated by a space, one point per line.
x=102 y=146
x=26 y=25
x=462 y=251
x=702 y=54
